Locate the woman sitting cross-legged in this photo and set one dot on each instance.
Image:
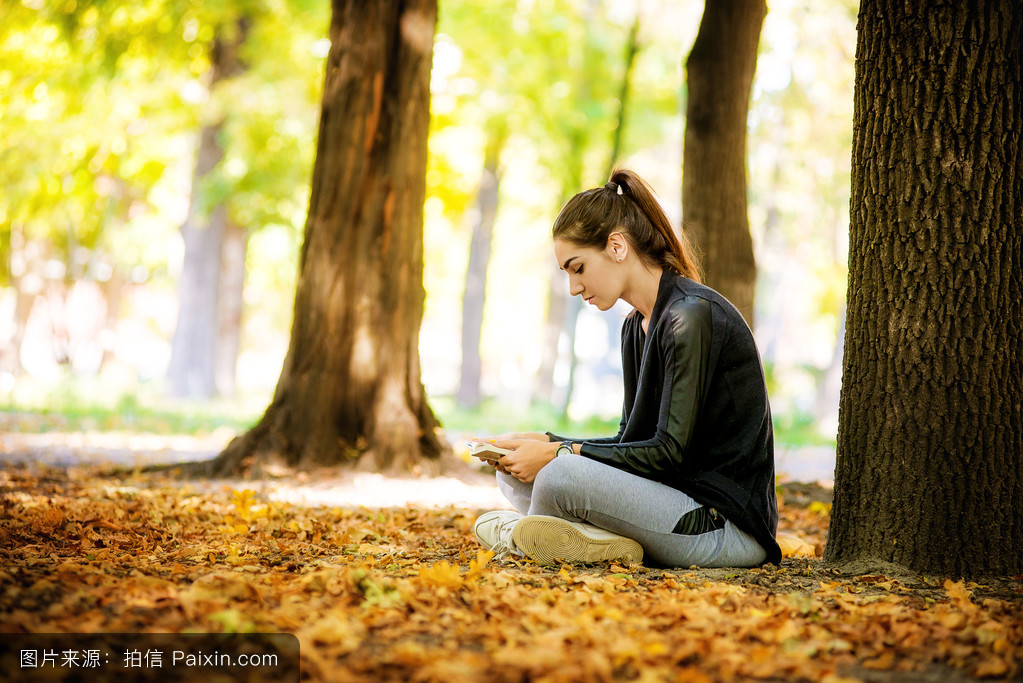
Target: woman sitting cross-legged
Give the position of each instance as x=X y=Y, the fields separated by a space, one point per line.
x=689 y=478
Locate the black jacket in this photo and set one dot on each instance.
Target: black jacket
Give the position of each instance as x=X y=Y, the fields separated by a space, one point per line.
x=696 y=414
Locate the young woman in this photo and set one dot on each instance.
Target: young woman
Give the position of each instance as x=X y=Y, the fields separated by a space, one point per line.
x=689 y=478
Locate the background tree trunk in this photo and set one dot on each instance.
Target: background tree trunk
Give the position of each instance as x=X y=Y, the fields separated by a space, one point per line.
x=230 y=304
x=474 y=299
x=553 y=326
x=351 y=388
x=192 y=368
x=719 y=75
x=575 y=304
x=930 y=441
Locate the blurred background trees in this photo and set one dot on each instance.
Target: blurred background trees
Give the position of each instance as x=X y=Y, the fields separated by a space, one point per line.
x=121 y=139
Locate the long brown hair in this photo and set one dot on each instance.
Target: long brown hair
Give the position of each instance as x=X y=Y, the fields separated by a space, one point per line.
x=627 y=204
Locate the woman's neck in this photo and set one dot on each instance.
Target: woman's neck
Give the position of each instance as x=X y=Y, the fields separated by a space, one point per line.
x=643 y=286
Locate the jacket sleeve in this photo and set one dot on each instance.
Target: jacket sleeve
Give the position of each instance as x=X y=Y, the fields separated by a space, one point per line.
x=685 y=343
x=603 y=440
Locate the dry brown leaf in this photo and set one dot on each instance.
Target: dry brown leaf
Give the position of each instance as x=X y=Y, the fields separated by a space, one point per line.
x=407 y=594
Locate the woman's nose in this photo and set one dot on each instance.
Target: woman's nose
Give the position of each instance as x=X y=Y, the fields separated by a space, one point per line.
x=575 y=288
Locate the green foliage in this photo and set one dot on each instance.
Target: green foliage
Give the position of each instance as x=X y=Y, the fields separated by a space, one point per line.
x=795 y=428
x=102 y=102
x=495 y=417
x=84 y=406
x=548 y=75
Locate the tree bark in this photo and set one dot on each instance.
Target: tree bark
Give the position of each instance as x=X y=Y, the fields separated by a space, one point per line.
x=192 y=368
x=930 y=441
x=350 y=389
x=468 y=395
x=719 y=76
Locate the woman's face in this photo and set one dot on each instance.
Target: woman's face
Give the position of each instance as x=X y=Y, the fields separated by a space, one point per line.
x=593 y=274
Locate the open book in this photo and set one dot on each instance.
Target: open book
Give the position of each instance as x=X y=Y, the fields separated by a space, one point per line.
x=487 y=451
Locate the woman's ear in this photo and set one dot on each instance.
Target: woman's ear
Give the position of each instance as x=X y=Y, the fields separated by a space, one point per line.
x=617 y=246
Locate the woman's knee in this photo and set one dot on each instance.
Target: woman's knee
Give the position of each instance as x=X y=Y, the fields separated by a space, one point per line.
x=561 y=477
x=518 y=493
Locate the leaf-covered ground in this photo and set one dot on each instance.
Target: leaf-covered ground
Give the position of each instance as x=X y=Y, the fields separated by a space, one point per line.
x=406 y=595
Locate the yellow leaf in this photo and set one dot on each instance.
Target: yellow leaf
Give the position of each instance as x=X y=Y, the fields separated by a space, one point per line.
x=959 y=594
x=692 y=675
x=370 y=549
x=819 y=508
x=793 y=546
x=995 y=666
x=952 y=620
x=884 y=662
x=835 y=678
x=441 y=575
x=483 y=558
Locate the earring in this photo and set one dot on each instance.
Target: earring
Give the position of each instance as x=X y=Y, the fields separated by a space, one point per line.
x=619 y=259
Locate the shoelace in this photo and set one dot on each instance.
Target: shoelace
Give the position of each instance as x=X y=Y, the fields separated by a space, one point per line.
x=506 y=545
x=503 y=549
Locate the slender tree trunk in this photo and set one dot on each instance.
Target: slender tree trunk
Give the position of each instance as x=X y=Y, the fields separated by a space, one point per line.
x=930 y=441
x=553 y=326
x=829 y=388
x=632 y=46
x=468 y=395
x=113 y=294
x=27 y=287
x=23 y=302
x=230 y=304
x=719 y=76
x=575 y=304
x=350 y=390
x=562 y=313
x=192 y=369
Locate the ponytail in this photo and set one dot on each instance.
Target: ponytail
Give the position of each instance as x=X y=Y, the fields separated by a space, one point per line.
x=627 y=204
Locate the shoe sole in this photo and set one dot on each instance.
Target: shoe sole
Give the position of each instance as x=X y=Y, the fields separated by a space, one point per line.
x=548 y=540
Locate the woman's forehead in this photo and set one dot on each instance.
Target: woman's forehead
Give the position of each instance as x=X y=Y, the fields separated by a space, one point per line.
x=565 y=251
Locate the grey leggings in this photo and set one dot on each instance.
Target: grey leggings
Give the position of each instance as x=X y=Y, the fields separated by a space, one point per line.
x=576 y=488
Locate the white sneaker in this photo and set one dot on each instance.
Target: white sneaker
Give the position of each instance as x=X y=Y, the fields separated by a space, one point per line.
x=550 y=539
x=494 y=532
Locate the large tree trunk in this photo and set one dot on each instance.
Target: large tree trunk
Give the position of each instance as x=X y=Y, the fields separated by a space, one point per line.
x=350 y=389
x=930 y=441
x=192 y=368
x=719 y=75
x=474 y=299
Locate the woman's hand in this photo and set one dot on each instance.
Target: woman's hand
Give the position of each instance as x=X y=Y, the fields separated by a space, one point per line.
x=509 y=437
x=527 y=458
